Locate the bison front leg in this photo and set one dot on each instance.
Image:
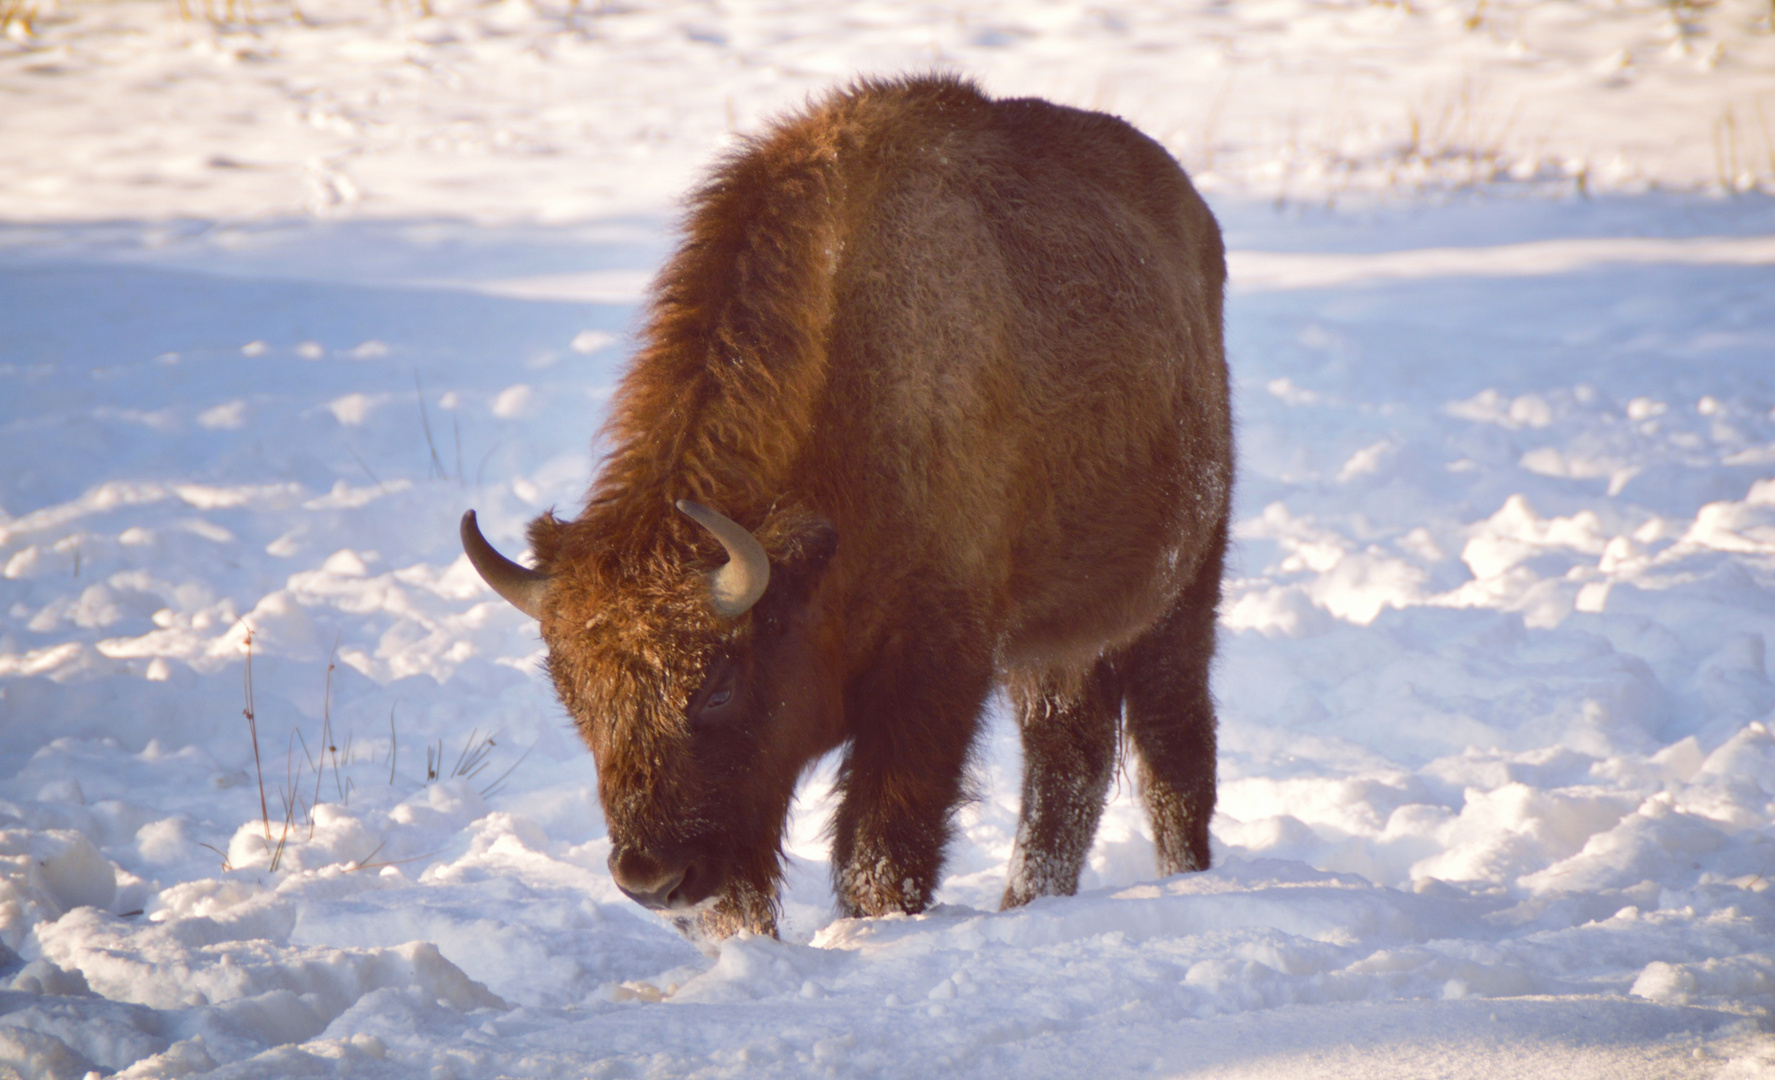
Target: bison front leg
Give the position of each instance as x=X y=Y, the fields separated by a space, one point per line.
x=1170 y=720
x=1069 y=742
x=742 y=908
x=912 y=726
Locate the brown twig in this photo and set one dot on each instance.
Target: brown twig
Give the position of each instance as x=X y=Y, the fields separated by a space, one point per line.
x=253 y=729
x=438 y=472
x=390 y=862
x=226 y=864
x=494 y=786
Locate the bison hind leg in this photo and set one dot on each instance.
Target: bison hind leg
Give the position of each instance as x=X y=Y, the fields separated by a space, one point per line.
x=1068 y=724
x=1170 y=720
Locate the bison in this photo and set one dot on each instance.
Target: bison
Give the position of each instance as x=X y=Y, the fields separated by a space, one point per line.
x=931 y=400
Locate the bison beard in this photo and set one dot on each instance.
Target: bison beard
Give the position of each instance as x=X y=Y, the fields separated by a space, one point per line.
x=951 y=370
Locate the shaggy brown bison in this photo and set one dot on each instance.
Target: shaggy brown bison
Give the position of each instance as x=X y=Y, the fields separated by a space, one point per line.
x=932 y=399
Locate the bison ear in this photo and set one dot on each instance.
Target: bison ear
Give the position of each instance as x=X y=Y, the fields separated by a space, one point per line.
x=803 y=558
x=546 y=535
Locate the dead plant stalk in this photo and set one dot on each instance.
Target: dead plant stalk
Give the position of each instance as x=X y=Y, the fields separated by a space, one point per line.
x=253 y=729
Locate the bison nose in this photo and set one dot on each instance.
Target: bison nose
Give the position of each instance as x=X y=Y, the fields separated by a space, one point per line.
x=648 y=881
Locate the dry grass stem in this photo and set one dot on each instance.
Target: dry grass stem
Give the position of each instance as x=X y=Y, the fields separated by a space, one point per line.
x=438 y=472
x=253 y=729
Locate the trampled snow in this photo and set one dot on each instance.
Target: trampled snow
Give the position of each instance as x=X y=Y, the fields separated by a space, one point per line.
x=280 y=299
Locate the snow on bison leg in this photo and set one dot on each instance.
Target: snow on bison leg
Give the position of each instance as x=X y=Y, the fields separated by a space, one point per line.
x=1069 y=734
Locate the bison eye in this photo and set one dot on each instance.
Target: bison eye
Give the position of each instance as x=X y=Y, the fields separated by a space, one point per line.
x=716 y=697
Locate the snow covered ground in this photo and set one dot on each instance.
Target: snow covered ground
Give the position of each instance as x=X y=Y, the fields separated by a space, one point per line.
x=280 y=299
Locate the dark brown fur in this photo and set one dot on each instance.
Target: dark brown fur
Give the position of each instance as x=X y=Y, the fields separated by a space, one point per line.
x=957 y=363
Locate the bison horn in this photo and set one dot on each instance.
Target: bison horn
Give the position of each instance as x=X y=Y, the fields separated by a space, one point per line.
x=737 y=586
x=521 y=585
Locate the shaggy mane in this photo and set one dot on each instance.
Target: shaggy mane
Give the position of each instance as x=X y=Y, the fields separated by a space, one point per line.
x=723 y=391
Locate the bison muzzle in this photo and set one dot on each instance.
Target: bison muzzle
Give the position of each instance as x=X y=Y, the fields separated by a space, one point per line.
x=931 y=400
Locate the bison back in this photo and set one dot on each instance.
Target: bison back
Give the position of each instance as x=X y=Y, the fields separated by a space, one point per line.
x=1026 y=387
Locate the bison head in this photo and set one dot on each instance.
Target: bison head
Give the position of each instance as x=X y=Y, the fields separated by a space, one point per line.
x=702 y=692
